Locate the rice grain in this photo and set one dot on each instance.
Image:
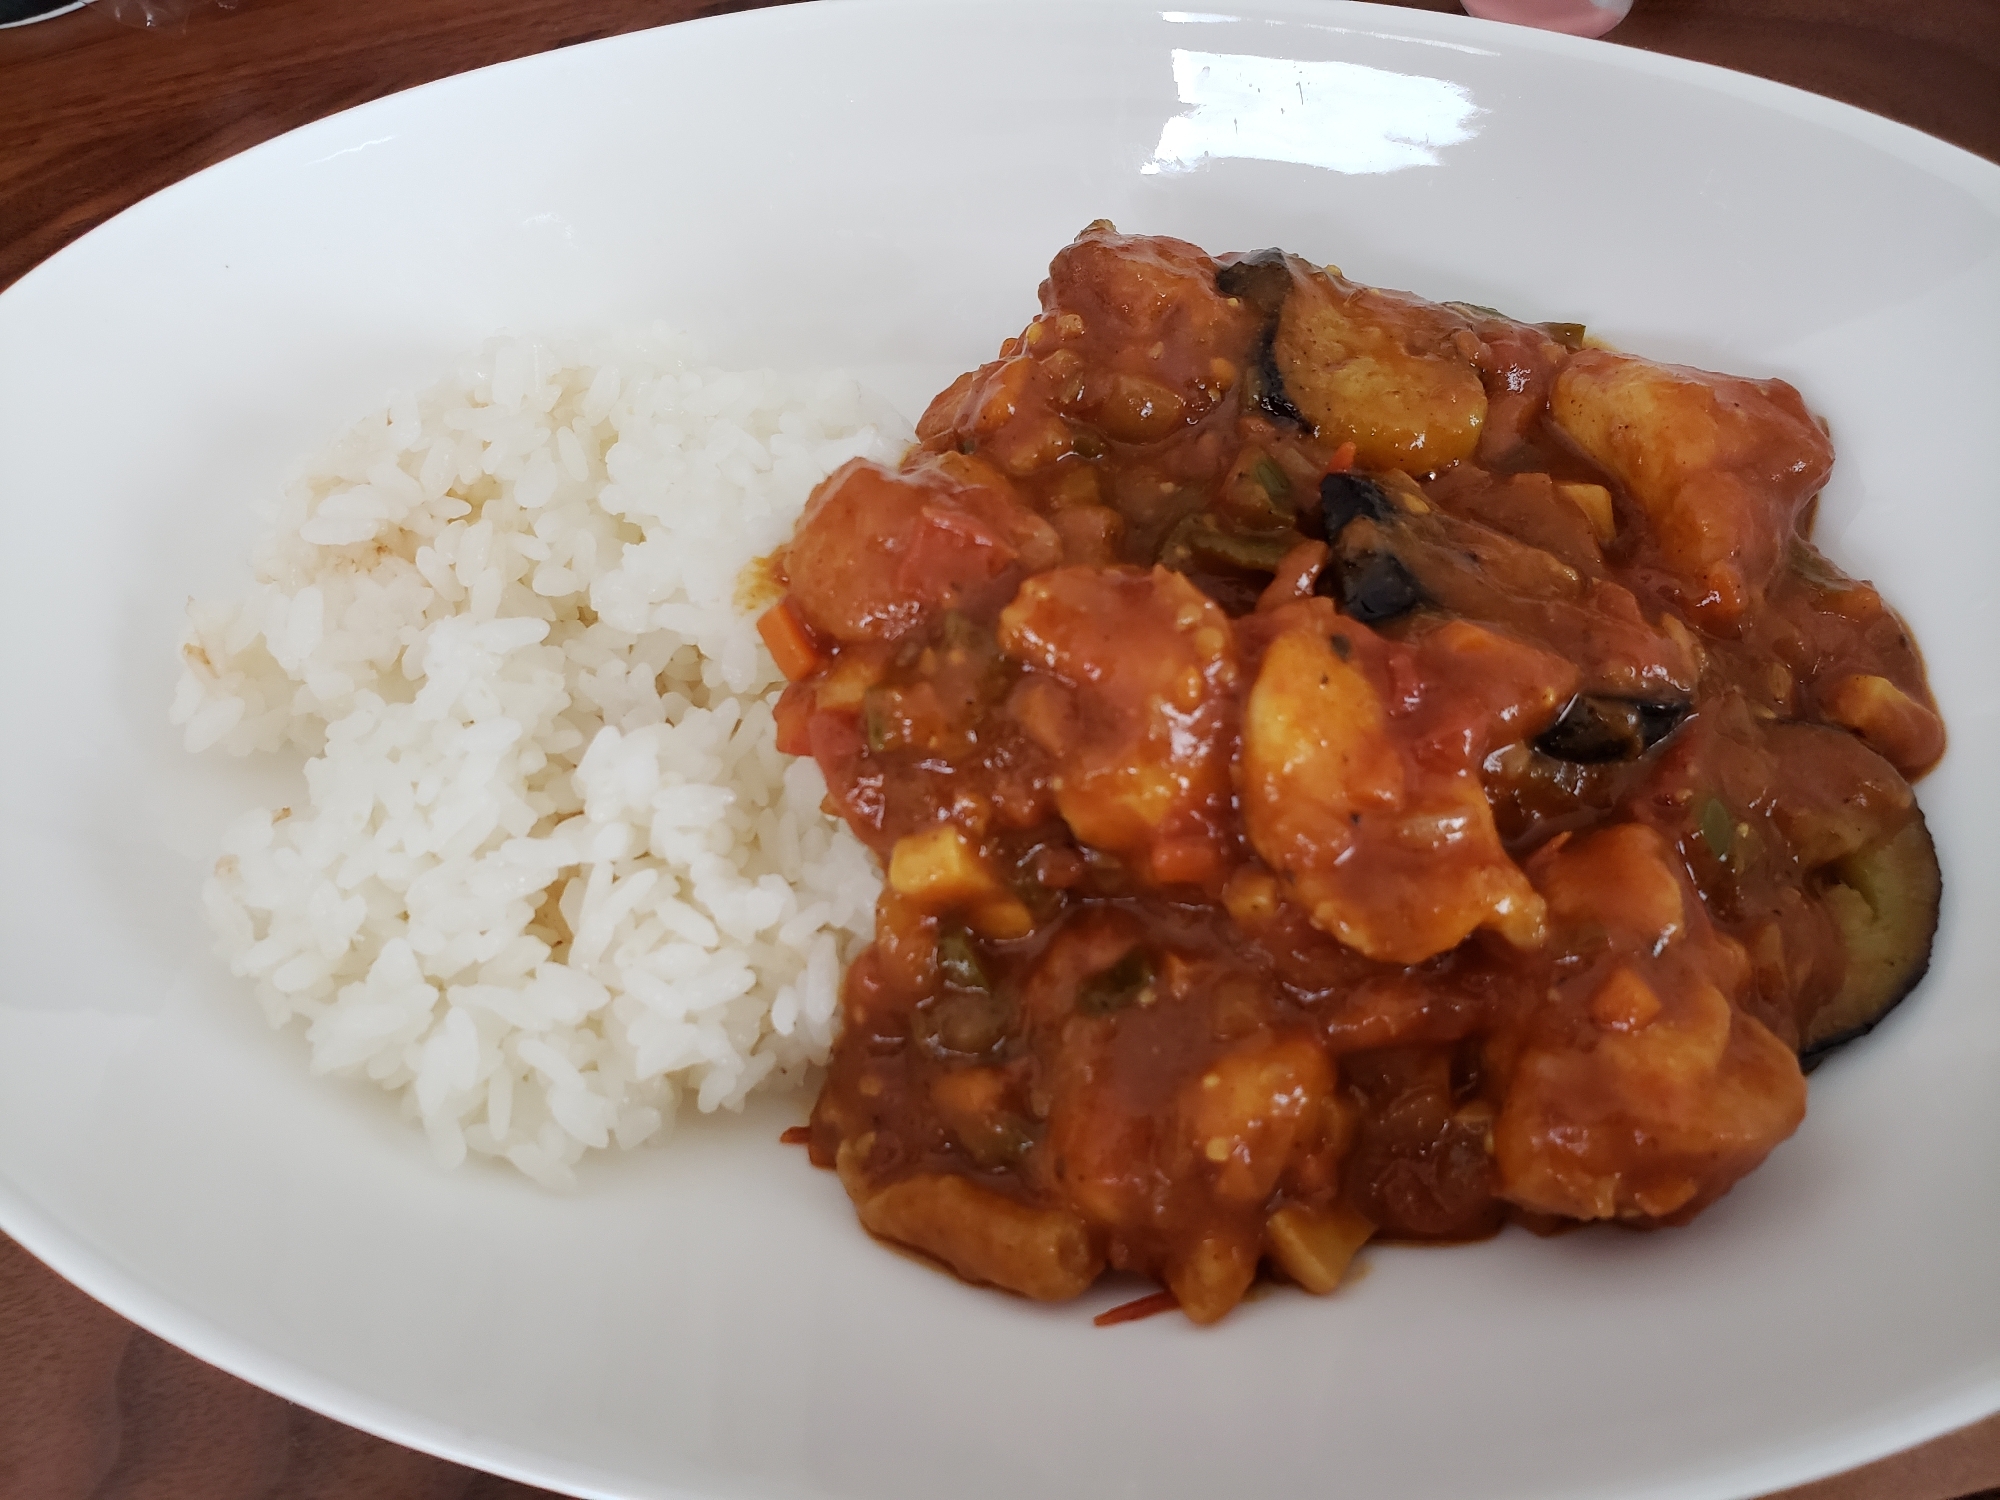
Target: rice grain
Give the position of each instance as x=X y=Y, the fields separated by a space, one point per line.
x=551 y=872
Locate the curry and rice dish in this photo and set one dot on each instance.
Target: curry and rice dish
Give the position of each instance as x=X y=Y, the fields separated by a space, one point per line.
x=1345 y=767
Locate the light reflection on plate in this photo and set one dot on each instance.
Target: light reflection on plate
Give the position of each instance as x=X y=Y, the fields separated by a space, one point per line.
x=1326 y=113
x=881 y=183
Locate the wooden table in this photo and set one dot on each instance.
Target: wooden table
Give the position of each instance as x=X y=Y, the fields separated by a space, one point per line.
x=95 y=115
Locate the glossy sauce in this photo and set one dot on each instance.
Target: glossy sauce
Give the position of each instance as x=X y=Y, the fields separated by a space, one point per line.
x=1344 y=766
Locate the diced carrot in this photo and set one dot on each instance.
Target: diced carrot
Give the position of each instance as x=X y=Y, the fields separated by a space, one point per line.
x=794 y=716
x=1188 y=860
x=1342 y=460
x=791 y=643
x=1137 y=1308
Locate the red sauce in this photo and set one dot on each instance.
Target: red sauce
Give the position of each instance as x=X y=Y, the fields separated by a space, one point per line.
x=1276 y=860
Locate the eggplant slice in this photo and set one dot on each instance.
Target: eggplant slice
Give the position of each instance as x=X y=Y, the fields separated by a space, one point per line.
x=1593 y=728
x=1380 y=370
x=1347 y=496
x=1884 y=899
x=1371 y=587
x=1412 y=402
x=1393 y=552
x=1264 y=280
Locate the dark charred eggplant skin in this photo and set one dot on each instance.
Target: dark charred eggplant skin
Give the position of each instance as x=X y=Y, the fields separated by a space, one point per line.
x=1592 y=730
x=1263 y=279
x=1371 y=588
x=1885 y=900
x=1266 y=387
x=1347 y=496
x=1369 y=584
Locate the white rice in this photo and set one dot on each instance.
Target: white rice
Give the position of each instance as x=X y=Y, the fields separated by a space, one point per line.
x=500 y=620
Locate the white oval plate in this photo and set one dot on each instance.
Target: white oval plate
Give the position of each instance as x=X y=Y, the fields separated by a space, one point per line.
x=880 y=183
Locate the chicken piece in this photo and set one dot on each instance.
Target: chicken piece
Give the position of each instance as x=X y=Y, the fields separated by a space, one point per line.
x=1043 y=1253
x=1133 y=692
x=878 y=552
x=1890 y=721
x=1643 y=1091
x=1100 y=1145
x=1139 y=1148
x=1134 y=336
x=1359 y=777
x=1005 y=412
x=1721 y=466
x=1388 y=372
x=1244 y=1114
x=1247 y=1119
x=1620 y=878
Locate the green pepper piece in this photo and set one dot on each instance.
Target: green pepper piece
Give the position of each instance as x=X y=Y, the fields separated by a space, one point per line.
x=959 y=961
x=1257 y=554
x=1718 y=829
x=1198 y=542
x=956 y=629
x=874 y=720
x=1124 y=983
x=1275 y=482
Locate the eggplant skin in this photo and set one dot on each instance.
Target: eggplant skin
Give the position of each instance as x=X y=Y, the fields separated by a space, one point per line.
x=1885 y=900
x=1264 y=280
x=1593 y=729
x=1373 y=587
x=1346 y=496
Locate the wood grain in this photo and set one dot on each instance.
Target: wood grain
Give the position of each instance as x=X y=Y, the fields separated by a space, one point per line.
x=92 y=1408
x=1934 y=64
x=95 y=116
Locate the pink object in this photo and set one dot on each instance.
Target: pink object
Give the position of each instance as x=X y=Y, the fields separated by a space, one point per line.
x=1577 y=17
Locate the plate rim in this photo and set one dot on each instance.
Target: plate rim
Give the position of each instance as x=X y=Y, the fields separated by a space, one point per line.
x=1962 y=167
x=127 y=1291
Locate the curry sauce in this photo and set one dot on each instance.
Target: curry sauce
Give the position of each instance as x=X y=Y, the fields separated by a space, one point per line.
x=1345 y=766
